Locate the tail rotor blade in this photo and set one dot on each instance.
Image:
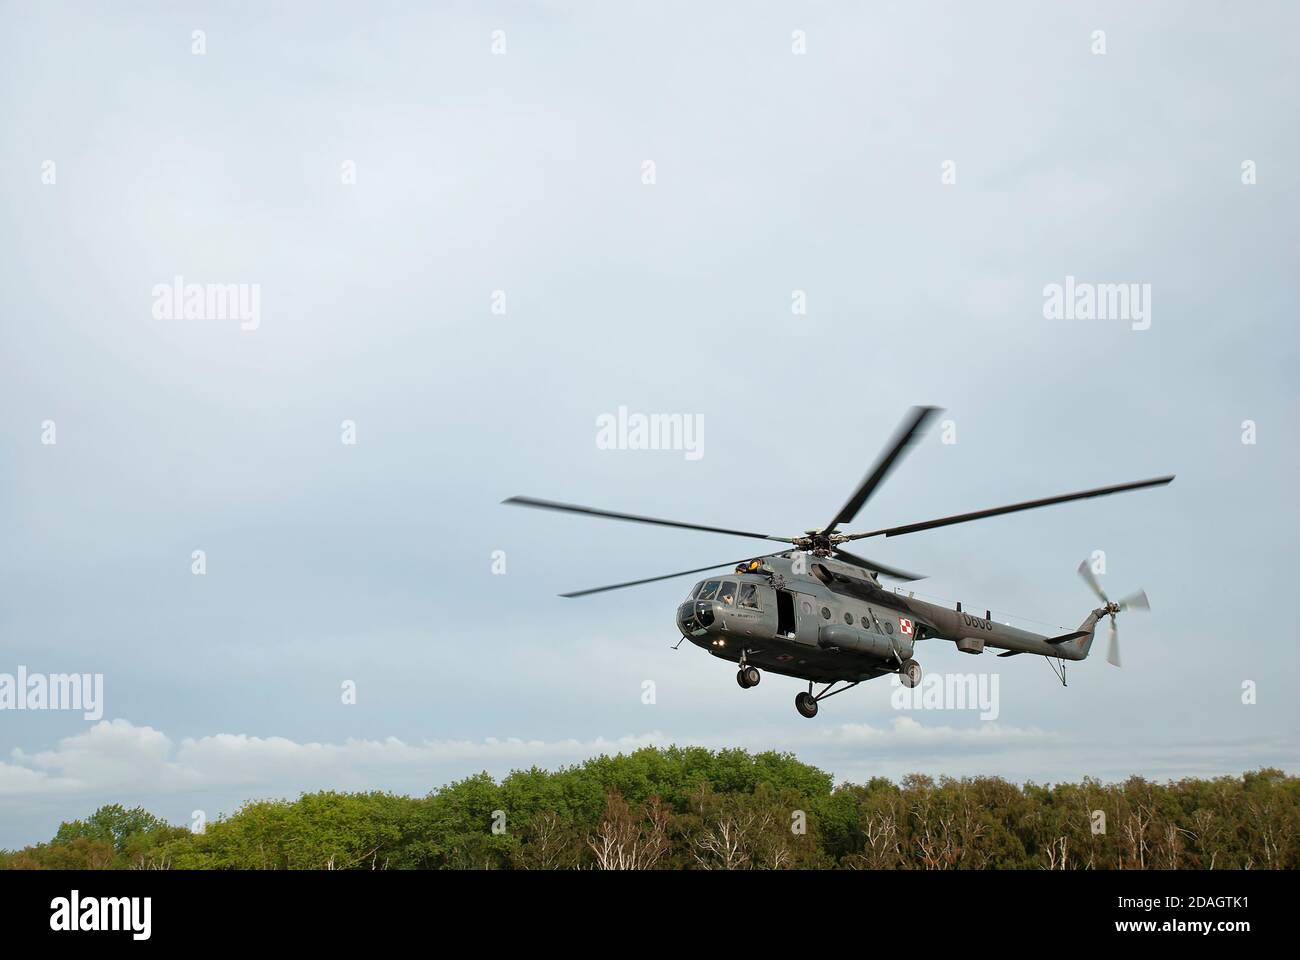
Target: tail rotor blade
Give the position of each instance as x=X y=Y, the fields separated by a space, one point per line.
x=1112 y=650
x=1135 y=601
x=1090 y=579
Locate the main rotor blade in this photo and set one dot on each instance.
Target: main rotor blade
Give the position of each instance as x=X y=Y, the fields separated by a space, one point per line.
x=1011 y=508
x=1090 y=578
x=910 y=429
x=877 y=567
x=666 y=576
x=592 y=512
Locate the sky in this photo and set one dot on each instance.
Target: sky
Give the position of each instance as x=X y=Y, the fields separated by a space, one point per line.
x=475 y=229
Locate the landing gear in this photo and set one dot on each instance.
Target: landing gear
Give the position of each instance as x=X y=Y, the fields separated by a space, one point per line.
x=748 y=677
x=910 y=673
x=806 y=703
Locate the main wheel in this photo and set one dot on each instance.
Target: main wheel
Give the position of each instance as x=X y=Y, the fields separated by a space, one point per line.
x=740 y=679
x=910 y=673
x=751 y=675
x=806 y=705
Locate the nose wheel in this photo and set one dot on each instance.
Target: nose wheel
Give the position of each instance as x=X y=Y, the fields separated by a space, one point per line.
x=748 y=677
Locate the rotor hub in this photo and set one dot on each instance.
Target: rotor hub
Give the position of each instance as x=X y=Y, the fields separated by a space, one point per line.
x=818 y=543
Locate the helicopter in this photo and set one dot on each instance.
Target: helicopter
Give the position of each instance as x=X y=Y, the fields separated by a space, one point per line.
x=817 y=612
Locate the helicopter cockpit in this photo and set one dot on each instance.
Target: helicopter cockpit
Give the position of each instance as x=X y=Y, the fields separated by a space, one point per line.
x=729 y=593
x=720 y=591
x=698 y=612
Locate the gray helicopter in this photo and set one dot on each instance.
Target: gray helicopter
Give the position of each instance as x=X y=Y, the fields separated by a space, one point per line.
x=817 y=612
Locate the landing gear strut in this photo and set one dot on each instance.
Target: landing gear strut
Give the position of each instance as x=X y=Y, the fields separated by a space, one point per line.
x=748 y=676
x=806 y=703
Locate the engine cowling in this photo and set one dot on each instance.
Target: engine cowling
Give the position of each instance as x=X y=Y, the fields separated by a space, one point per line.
x=855 y=640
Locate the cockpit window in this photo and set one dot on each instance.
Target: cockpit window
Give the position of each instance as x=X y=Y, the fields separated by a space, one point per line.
x=749 y=596
x=708 y=590
x=727 y=593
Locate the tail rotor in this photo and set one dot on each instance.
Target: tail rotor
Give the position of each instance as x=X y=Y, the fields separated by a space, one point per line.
x=1134 y=601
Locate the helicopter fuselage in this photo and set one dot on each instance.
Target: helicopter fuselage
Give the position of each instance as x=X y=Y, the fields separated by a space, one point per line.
x=817 y=619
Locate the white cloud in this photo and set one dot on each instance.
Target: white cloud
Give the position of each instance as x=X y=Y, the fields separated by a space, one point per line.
x=119 y=755
x=907 y=731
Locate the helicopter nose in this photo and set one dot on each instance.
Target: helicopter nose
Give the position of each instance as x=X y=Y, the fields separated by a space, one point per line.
x=685 y=617
x=695 y=616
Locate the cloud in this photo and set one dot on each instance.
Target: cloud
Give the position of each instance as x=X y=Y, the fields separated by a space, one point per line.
x=109 y=754
x=118 y=755
x=907 y=731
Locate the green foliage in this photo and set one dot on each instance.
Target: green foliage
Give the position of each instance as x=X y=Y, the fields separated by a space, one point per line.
x=110 y=838
x=113 y=824
x=321 y=831
x=692 y=808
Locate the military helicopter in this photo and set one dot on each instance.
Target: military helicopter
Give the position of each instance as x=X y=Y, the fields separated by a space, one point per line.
x=817 y=612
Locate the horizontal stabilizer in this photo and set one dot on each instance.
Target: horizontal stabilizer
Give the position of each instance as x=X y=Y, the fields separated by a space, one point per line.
x=1067 y=637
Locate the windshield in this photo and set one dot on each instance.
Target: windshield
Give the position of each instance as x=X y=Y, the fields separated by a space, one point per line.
x=708 y=590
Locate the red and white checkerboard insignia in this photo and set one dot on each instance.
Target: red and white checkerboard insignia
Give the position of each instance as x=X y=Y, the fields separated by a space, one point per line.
x=905 y=625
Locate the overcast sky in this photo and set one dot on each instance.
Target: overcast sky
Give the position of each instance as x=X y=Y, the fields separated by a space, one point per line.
x=129 y=159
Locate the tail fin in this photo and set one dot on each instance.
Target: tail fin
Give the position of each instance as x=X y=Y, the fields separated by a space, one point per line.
x=1088 y=628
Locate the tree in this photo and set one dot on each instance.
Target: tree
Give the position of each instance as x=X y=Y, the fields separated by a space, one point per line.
x=693 y=808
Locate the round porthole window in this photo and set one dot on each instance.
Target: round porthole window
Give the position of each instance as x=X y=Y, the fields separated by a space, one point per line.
x=848 y=618
x=826 y=613
x=889 y=627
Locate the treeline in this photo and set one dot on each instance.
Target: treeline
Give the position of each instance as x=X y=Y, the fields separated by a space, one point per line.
x=691 y=808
